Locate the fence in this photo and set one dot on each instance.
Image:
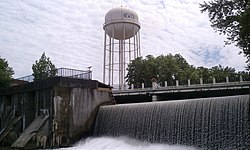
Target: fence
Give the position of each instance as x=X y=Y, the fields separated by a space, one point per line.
x=64 y=72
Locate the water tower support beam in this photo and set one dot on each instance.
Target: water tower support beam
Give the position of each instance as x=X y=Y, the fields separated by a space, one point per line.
x=124 y=57
x=137 y=50
x=120 y=63
x=139 y=35
x=129 y=50
x=122 y=68
x=104 y=61
x=134 y=48
x=113 y=53
x=110 y=60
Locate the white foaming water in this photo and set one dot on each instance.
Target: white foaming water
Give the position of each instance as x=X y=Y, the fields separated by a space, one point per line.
x=122 y=143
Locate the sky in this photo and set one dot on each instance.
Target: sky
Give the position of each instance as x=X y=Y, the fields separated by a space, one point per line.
x=71 y=33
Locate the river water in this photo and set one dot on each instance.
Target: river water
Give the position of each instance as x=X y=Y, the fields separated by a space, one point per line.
x=122 y=143
x=118 y=143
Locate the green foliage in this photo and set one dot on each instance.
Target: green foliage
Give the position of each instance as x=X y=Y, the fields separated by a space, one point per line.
x=6 y=73
x=219 y=73
x=245 y=75
x=43 y=68
x=232 y=18
x=174 y=67
x=163 y=68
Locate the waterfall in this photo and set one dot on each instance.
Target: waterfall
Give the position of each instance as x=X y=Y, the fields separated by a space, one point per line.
x=209 y=123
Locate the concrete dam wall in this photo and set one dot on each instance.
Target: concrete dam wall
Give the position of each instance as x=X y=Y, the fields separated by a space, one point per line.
x=51 y=113
x=208 y=123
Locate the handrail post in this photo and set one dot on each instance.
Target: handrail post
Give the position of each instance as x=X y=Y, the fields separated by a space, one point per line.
x=177 y=83
x=214 y=81
x=201 y=81
x=166 y=84
x=227 y=79
x=142 y=85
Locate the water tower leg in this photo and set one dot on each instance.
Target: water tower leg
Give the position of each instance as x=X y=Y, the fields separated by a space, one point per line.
x=113 y=53
x=129 y=50
x=120 y=64
x=139 y=44
x=134 y=48
x=104 y=61
x=109 y=60
x=137 y=48
x=124 y=63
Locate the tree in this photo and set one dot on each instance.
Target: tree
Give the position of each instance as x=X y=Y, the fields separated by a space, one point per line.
x=43 y=68
x=174 y=67
x=220 y=73
x=231 y=18
x=245 y=75
x=162 y=68
x=6 y=73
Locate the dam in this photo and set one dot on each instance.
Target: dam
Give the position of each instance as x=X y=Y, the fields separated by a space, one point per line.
x=207 y=123
x=59 y=111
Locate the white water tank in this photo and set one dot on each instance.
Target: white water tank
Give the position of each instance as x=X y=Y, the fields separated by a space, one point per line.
x=121 y=23
x=121 y=44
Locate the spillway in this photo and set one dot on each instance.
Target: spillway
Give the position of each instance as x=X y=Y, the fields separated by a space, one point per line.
x=209 y=123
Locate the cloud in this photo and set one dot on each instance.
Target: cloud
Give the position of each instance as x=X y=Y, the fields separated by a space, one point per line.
x=71 y=33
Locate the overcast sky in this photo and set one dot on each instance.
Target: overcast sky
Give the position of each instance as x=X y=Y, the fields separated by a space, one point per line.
x=70 y=32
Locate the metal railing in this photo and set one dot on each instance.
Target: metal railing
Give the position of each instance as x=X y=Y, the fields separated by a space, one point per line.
x=64 y=72
x=176 y=83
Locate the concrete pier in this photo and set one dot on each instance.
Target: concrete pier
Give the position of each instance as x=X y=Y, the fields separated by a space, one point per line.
x=50 y=113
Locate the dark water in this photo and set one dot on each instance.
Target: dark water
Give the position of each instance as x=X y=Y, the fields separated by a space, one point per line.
x=212 y=123
x=4 y=148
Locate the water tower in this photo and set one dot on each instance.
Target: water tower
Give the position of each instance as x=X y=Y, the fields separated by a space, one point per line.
x=121 y=44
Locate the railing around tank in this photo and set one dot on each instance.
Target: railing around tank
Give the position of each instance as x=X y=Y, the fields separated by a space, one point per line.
x=63 y=72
